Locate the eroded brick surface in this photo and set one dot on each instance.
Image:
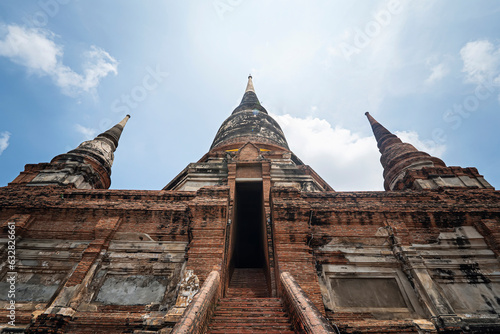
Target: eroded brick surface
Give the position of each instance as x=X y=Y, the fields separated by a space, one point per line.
x=423 y=259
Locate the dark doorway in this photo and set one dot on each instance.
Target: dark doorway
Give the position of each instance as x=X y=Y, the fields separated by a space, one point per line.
x=249 y=245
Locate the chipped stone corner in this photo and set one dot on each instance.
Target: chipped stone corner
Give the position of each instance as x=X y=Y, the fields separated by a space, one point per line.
x=188 y=288
x=424 y=326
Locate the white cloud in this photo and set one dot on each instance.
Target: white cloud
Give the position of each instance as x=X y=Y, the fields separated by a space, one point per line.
x=428 y=146
x=481 y=61
x=438 y=72
x=4 y=141
x=346 y=160
x=88 y=133
x=36 y=50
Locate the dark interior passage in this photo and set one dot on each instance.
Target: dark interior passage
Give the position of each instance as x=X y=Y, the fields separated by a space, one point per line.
x=249 y=246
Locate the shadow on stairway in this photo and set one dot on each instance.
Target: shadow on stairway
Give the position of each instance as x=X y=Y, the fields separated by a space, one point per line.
x=247 y=307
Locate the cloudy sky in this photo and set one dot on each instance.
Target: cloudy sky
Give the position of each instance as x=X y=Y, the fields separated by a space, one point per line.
x=427 y=70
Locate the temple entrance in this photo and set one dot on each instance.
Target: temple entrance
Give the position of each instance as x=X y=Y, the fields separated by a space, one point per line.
x=248 y=279
x=249 y=220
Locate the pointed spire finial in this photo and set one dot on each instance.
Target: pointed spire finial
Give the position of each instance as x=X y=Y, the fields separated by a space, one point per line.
x=250 y=102
x=124 y=120
x=115 y=132
x=370 y=118
x=382 y=135
x=250 y=85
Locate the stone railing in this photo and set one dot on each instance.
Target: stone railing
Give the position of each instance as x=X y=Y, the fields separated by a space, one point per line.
x=197 y=315
x=305 y=316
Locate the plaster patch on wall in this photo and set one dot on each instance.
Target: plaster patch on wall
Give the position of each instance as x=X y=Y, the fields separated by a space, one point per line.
x=132 y=290
x=34 y=287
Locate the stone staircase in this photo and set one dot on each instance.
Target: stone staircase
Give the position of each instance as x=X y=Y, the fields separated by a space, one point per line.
x=247 y=307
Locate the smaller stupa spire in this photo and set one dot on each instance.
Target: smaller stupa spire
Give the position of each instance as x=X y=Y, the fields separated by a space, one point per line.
x=383 y=136
x=86 y=167
x=115 y=132
x=405 y=167
x=398 y=157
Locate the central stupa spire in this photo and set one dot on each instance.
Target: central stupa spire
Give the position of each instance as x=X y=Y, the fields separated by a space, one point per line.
x=249 y=122
x=250 y=148
x=250 y=101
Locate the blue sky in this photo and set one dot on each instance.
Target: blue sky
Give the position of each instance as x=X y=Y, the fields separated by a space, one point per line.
x=428 y=70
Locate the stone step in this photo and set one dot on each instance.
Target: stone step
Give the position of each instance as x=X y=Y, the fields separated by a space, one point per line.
x=251 y=328
x=252 y=299
x=247 y=308
x=246 y=319
x=247 y=290
x=242 y=304
x=251 y=308
x=244 y=313
x=249 y=331
x=256 y=295
x=245 y=286
x=225 y=308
